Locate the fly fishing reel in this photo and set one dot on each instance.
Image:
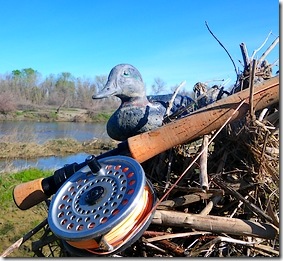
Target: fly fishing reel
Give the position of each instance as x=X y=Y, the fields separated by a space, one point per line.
x=102 y=208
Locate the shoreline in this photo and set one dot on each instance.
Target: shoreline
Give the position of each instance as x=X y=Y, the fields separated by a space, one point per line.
x=51 y=115
x=54 y=147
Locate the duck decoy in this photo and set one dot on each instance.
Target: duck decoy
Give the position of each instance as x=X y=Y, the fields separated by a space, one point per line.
x=137 y=112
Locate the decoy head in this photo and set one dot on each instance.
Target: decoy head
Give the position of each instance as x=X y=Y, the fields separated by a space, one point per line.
x=125 y=82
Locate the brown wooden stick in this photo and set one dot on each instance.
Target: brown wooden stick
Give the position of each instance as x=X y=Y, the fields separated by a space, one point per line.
x=215 y=224
x=173 y=98
x=173 y=247
x=184 y=200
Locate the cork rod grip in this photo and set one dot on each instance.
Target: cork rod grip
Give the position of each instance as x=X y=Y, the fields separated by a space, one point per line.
x=29 y=194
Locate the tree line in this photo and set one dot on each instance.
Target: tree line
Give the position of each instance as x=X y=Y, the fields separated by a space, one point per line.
x=25 y=89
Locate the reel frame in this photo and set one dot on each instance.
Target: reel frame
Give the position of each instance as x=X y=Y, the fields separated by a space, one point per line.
x=88 y=205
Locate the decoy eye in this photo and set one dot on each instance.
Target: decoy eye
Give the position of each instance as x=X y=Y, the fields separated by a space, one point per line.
x=126 y=73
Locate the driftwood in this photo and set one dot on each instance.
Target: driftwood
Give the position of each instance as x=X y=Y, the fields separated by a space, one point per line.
x=250 y=205
x=215 y=224
x=212 y=203
x=269 y=49
x=251 y=84
x=203 y=163
x=245 y=54
x=209 y=246
x=188 y=199
x=173 y=98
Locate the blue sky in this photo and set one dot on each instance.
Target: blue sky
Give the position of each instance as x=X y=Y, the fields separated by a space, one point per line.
x=165 y=39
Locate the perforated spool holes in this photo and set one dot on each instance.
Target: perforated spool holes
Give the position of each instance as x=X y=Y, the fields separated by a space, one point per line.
x=123 y=184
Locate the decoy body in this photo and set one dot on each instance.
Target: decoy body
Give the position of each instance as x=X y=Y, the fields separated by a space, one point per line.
x=137 y=113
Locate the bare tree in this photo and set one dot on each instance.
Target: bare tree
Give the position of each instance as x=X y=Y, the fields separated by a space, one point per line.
x=29 y=90
x=65 y=89
x=158 y=86
x=84 y=91
x=100 y=82
x=7 y=102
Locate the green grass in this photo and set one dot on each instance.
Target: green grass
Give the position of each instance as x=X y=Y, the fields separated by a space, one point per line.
x=53 y=115
x=14 y=223
x=6 y=228
x=103 y=116
x=30 y=174
x=9 y=181
x=19 y=113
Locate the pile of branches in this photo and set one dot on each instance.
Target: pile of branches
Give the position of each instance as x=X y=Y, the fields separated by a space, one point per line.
x=227 y=202
x=220 y=194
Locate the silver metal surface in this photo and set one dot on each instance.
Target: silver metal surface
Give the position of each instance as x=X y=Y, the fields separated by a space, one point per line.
x=72 y=216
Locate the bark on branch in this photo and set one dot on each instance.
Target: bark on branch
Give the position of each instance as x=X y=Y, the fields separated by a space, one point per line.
x=215 y=224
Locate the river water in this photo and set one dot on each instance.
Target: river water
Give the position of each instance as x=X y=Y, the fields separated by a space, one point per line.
x=40 y=132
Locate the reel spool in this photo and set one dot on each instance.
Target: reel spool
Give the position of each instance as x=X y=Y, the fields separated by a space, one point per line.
x=102 y=208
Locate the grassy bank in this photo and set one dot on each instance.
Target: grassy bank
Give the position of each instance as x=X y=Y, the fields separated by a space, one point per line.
x=56 y=147
x=15 y=223
x=51 y=114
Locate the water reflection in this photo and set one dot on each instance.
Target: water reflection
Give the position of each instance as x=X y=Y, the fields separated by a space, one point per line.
x=40 y=132
x=50 y=163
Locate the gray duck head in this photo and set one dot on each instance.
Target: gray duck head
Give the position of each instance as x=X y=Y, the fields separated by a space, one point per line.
x=125 y=82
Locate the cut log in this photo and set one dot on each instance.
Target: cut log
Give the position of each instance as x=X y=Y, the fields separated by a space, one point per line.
x=215 y=224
